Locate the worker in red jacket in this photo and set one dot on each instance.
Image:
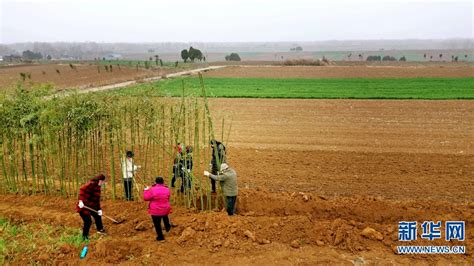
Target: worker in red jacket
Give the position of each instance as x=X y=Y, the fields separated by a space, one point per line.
x=89 y=205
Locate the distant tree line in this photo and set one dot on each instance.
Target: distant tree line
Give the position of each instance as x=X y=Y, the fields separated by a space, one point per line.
x=29 y=55
x=192 y=54
x=454 y=58
x=232 y=57
x=297 y=49
x=385 y=58
x=25 y=56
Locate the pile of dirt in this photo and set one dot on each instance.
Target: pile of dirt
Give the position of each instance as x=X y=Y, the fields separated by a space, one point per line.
x=304 y=223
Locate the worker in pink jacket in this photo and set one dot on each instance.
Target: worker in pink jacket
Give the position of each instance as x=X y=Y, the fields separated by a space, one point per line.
x=159 y=207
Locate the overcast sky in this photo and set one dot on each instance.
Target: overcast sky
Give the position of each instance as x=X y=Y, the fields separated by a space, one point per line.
x=232 y=21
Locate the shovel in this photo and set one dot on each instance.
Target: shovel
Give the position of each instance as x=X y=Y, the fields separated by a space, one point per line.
x=110 y=218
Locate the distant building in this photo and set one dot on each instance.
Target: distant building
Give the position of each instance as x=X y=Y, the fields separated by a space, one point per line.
x=67 y=58
x=113 y=56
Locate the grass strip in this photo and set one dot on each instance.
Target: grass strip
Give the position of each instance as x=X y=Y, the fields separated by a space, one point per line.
x=340 y=88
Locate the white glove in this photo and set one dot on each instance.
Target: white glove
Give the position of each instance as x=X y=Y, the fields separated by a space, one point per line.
x=189 y=171
x=146 y=188
x=99 y=212
x=81 y=204
x=206 y=173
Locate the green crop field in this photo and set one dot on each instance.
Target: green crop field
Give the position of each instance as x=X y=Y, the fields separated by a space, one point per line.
x=343 y=88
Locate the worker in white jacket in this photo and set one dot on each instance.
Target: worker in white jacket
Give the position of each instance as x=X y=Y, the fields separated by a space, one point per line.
x=128 y=171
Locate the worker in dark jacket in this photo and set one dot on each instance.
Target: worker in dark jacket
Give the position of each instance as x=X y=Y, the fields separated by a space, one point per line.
x=89 y=205
x=228 y=179
x=177 y=164
x=182 y=167
x=218 y=158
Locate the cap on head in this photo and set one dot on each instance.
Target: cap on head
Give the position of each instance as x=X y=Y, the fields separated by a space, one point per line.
x=189 y=149
x=224 y=166
x=159 y=180
x=130 y=154
x=180 y=147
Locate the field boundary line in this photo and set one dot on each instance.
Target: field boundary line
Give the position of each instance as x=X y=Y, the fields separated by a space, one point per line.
x=134 y=82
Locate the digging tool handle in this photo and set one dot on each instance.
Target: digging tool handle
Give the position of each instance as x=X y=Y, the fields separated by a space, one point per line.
x=110 y=218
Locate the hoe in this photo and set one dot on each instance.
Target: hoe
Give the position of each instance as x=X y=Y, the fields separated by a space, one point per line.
x=110 y=218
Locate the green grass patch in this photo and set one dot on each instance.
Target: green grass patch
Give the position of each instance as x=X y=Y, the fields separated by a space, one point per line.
x=34 y=238
x=340 y=88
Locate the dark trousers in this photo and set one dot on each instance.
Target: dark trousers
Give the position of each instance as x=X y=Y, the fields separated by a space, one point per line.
x=231 y=205
x=128 y=187
x=157 y=223
x=213 y=182
x=213 y=185
x=185 y=182
x=175 y=175
x=88 y=221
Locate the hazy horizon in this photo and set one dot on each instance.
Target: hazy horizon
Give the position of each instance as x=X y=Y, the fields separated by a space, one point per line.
x=246 y=21
x=243 y=42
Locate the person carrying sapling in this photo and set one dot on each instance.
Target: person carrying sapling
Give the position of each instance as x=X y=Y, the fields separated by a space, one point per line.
x=182 y=167
x=128 y=172
x=228 y=181
x=218 y=154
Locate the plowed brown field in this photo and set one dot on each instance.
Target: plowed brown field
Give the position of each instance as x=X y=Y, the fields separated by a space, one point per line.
x=86 y=75
x=313 y=175
x=394 y=149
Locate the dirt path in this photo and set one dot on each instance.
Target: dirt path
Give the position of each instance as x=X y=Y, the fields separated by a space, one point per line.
x=150 y=79
x=88 y=77
x=328 y=231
